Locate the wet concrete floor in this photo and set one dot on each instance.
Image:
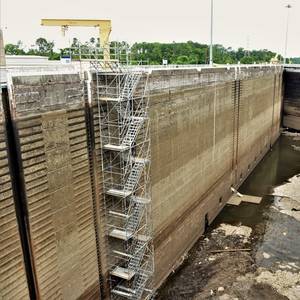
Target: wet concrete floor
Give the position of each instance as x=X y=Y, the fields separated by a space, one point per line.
x=274 y=242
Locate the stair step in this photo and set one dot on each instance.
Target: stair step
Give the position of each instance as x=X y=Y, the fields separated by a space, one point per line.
x=138 y=118
x=143 y=238
x=122 y=253
x=120 y=234
x=116 y=147
x=141 y=200
x=140 y=160
x=118 y=214
x=126 y=290
x=110 y=99
x=118 y=193
x=123 y=273
x=121 y=293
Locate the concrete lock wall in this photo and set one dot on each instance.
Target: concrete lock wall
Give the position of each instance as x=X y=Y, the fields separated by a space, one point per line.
x=291 y=106
x=49 y=121
x=209 y=128
x=208 y=131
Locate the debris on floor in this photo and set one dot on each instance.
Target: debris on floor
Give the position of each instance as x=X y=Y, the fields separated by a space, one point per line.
x=235 y=230
x=297 y=148
x=289 y=133
x=237 y=199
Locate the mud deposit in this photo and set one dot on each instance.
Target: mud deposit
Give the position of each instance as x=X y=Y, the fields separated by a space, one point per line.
x=250 y=251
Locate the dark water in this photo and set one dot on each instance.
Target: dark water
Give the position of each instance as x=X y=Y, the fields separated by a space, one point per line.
x=275 y=233
x=280 y=164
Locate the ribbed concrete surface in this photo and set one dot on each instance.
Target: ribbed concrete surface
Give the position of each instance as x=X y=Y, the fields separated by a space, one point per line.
x=208 y=131
x=49 y=116
x=13 y=281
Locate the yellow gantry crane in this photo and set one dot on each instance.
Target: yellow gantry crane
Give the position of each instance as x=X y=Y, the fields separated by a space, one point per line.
x=103 y=25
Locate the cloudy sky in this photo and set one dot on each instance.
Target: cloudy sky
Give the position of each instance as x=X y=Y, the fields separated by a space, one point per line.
x=247 y=23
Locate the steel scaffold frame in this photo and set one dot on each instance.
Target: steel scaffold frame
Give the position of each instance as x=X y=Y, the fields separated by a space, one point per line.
x=123 y=103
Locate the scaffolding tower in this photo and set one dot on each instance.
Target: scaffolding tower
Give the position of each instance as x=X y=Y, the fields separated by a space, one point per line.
x=123 y=104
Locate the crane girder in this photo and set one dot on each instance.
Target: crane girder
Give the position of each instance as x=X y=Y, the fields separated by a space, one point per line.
x=104 y=29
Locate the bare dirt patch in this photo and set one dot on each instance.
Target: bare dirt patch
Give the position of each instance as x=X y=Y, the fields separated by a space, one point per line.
x=209 y=275
x=223 y=266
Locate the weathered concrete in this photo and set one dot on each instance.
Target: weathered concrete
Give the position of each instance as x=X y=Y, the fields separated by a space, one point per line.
x=13 y=281
x=208 y=131
x=291 y=106
x=49 y=118
x=209 y=128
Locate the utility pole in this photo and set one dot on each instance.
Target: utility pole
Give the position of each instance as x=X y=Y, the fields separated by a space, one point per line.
x=287 y=31
x=211 y=32
x=2 y=50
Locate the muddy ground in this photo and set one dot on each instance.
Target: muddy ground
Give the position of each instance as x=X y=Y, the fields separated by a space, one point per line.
x=225 y=275
x=259 y=248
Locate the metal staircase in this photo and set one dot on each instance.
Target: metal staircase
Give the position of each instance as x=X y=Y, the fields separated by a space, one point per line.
x=137 y=292
x=125 y=152
x=134 y=176
x=132 y=180
x=134 y=126
x=135 y=261
x=140 y=284
x=135 y=217
x=130 y=84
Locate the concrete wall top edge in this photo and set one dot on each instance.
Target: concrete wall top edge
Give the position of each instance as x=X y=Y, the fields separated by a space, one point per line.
x=173 y=80
x=32 y=95
x=229 y=69
x=36 y=79
x=292 y=70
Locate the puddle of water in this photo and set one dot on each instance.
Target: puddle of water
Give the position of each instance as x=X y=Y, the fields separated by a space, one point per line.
x=280 y=242
x=279 y=233
x=280 y=164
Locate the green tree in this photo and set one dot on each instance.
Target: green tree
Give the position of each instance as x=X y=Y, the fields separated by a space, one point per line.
x=14 y=49
x=247 y=60
x=295 y=60
x=92 y=40
x=75 y=43
x=182 y=60
x=45 y=47
x=152 y=53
